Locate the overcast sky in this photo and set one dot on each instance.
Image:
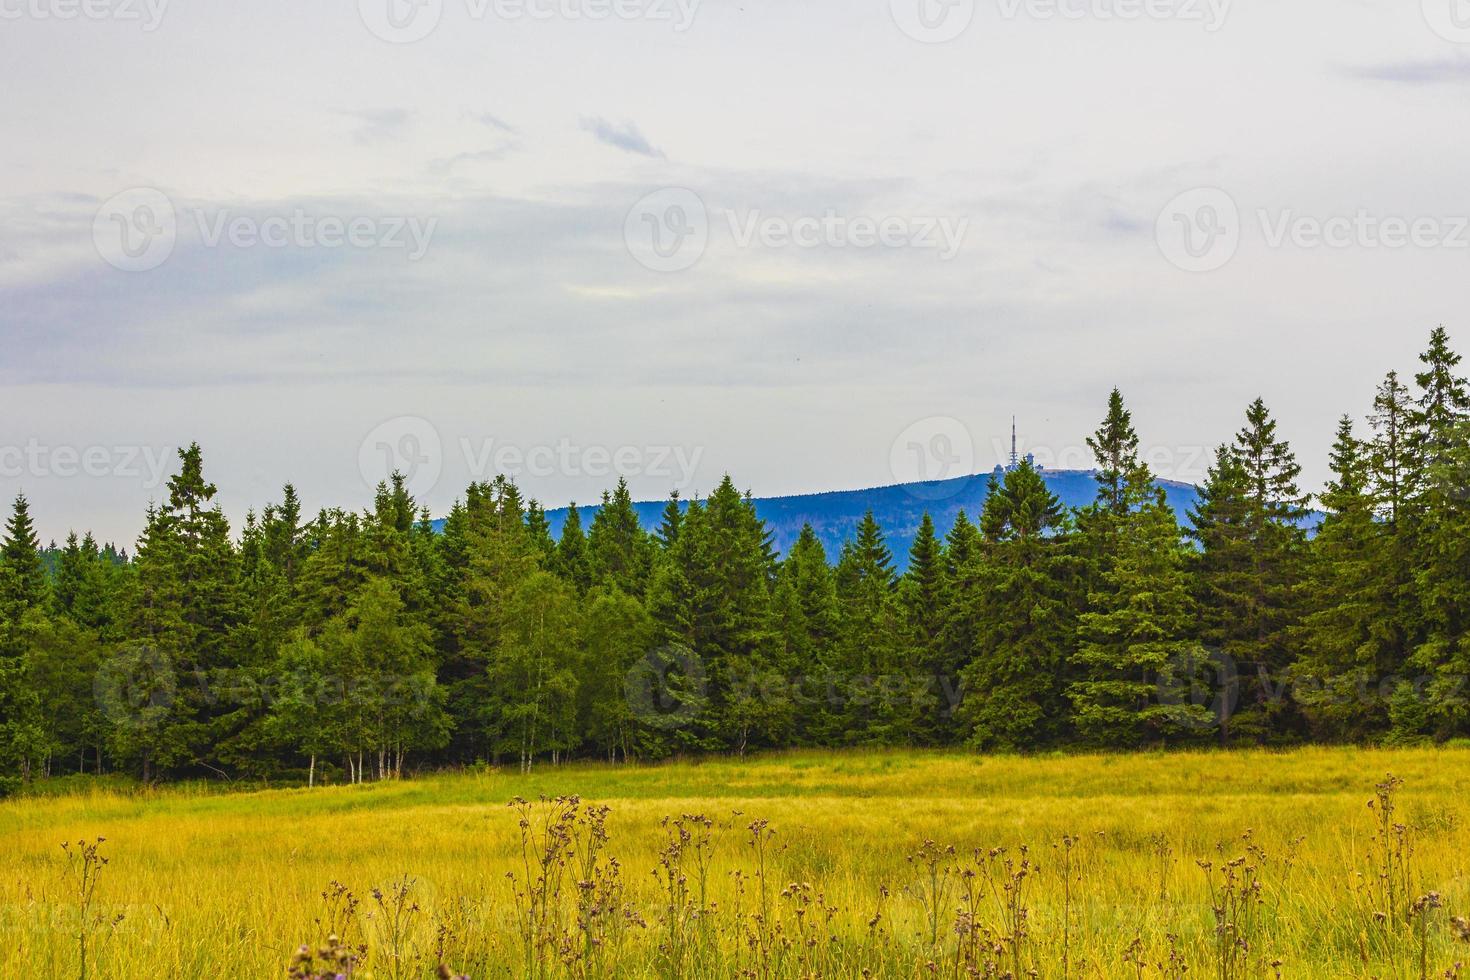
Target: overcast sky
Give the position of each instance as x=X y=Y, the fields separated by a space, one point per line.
x=819 y=244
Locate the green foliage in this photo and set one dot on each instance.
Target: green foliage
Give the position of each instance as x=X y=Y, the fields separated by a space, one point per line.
x=1024 y=625
x=356 y=646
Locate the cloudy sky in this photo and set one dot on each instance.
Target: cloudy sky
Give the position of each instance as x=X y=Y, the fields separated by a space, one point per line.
x=817 y=243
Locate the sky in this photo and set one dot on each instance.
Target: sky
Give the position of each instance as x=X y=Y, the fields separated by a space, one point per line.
x=816 y=244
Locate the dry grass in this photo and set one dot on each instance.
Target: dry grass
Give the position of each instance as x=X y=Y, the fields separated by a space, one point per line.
x=808 y=864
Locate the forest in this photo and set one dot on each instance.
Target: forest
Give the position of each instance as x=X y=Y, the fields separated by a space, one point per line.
x=346 y=647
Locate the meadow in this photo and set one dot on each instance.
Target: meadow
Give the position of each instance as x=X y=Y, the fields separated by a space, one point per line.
x=1310 y=863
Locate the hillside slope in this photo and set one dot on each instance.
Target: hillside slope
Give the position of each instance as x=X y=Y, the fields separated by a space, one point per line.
x=834 y=515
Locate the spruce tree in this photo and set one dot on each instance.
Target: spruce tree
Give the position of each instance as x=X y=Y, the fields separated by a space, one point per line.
x=921 y=596
x=572 y=562
x=1440 y=534
x=805 y=609
x=1136 y=647
x=618 y=549
x=1134 y=636
x=668 y=529
x=1348 y=635
x=874 y=699
x=1024 y=628
x=1250 y=527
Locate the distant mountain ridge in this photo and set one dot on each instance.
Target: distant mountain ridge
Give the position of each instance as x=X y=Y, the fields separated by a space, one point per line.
x=835 y=514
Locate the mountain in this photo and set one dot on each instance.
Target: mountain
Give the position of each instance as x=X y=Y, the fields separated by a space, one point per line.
x=898 y=509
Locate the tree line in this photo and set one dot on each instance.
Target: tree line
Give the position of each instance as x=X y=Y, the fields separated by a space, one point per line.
x=348 y=645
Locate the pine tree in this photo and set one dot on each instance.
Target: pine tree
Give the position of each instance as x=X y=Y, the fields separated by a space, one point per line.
x=1347 y=636
x=805 y=610
x=23 y=591
x=959 y=630
x=866 y=670
x=1392 y=478
x=1013 y=686
x=1443 y=403
x=1135 y=645
x=1440 y=534
x=921 y=596
x=539 y=529
x=25 y=586
x=1134 y=637
x=711 y=601
x=619 y=550
x=668 y=529
x=1250 y=526
x=572 y=562
x=1121 y=477
x=1391 y=458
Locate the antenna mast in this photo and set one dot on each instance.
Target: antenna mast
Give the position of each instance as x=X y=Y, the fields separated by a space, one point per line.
x=1015 y=456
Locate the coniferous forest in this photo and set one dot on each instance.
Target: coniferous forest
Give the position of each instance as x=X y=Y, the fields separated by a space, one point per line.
x=361 y=646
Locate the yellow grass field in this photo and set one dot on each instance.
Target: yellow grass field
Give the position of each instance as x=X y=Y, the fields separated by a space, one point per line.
x=840 y=884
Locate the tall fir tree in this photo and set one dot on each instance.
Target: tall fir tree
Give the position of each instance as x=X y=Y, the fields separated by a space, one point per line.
x=1348 y=636
x=619 y=550
x=1013 y=687
x=1250 y=528
x=572 y=562
x=1134 y=637
x=922 y=593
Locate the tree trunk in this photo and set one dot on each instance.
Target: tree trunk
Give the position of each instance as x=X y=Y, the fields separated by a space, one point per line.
x=311 y=773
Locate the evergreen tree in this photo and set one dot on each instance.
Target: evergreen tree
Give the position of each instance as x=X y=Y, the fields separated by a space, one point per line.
x=805 y=608
x=1121 y=477
x=572 y=562
x=922 y=593
x=539 y=529
x=20 y=552
x=1136 y=651
x=874 y=699
x=1250 y=527
x=711 y=601
x=618 y=549
x=1134 y=639
x=959 y=630
x=1013 y=685
x=1440 y=540
x=668 y=530
x=1348 y=637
